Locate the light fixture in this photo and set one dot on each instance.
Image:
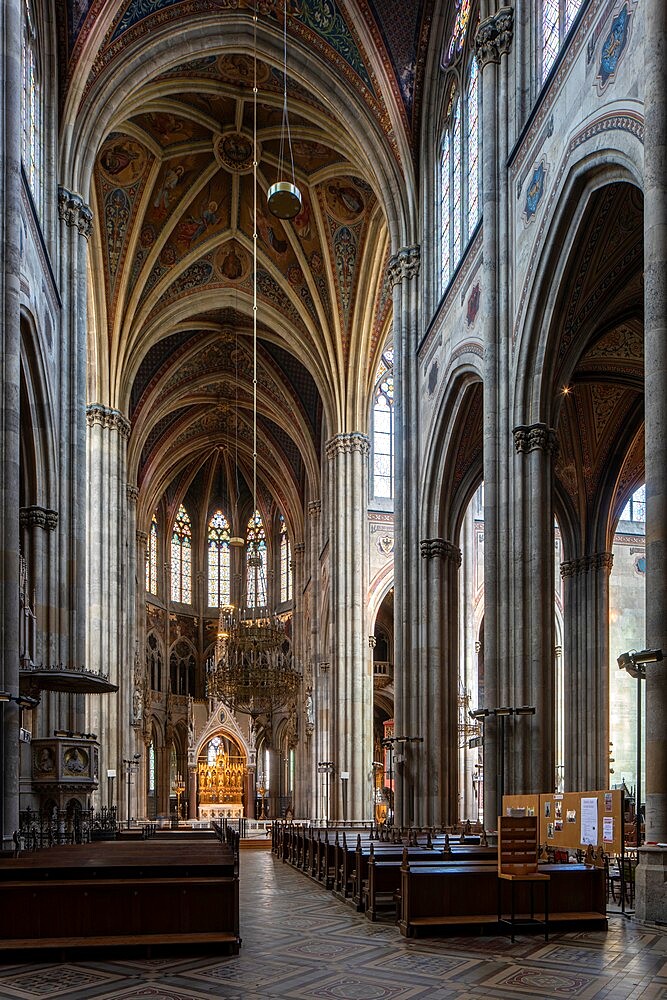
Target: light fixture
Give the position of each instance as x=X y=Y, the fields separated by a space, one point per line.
x=254 y=669
x=634 y=663
x=284 y=197
x=525 y=710
x=479 y=713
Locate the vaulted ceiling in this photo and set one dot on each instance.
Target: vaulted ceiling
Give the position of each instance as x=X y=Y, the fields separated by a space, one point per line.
x=171 y=261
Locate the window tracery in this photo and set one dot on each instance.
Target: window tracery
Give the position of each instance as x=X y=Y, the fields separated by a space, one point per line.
x=151 y=557
x=383 y=428
x=459 y=160
x=285 y=563
x=181 y=558
x=30 y=98
x=219 y=589
x=256 y=574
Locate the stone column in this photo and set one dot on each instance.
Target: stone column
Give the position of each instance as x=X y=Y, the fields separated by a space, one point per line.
x=192 y=792
x=586 y=666
x=492 y=42
x=651 y=895
x=10 y=230
x=403 y=267
x=319 y=743
x=530 y=760
x=75 y=228
x=37 y=524
x=435 y=767
x=351 y=679
x=109 y=603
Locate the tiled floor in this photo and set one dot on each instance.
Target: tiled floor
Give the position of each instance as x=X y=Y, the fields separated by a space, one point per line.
x=301 y=943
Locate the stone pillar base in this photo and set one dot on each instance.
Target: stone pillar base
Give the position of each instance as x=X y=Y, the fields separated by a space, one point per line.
x=651 y=885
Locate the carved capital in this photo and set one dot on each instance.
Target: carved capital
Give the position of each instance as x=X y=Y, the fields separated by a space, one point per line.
x=108 y=418
x=535 y=437
x=132 y=493
x=142 y=538
x=440 y=548
x=314 y=508
x=299 y=550
x=346 y=444
x=494 y=36
x=42 y=517
x=73 y=211
x=597 y=561
x=404 y=264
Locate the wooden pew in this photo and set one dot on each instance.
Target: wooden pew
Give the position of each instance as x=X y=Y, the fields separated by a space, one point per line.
x=128 y=893
x=439 y=896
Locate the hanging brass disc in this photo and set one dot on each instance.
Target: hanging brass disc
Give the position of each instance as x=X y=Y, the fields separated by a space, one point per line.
x=284 y=200
x=236 y=540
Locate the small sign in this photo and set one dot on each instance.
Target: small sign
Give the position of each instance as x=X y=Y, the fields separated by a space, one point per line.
x=344 y=775
x=111 y=774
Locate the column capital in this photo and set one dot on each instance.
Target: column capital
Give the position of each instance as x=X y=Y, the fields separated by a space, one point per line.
x=440 y=548
x=42 y=517
x=346 y=444
x=73 y=211
x=142 y=538
x=314 y=508
x=403 y=264
x=132 y=493
x=108 y=418
x=299 y=549
x=494 y=36
x=596 y=561
x=535 y=437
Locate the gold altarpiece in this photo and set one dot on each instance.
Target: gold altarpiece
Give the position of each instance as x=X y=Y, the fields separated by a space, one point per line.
x=221 y=779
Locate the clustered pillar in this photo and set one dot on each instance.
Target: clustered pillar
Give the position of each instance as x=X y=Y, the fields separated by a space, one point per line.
x=351 y=677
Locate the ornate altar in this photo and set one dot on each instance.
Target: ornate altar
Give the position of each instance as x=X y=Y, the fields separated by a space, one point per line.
x=221 y=775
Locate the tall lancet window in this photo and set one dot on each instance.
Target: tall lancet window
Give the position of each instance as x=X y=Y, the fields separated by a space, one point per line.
x=256 y=562
x=285 y=563
x=219 y=590
x=383 y=428
x=31 y=131
x=181 y=558
x=151 y=557
x=460 y=141
x=557 y=18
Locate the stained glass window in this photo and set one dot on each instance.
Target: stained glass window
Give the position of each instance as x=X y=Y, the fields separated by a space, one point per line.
x=30 y=105
x=219 y=591
x=445 y=211
x=256 y=562
x=473 y=146
x=151 y=558
x=456 y=184
x=635 y=508
x=285 y=561
x=181 y=558
x=459 y=31
x=558 y=16
x=383 y=430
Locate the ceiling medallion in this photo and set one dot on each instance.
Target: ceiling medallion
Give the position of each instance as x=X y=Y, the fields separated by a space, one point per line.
x=233 y=151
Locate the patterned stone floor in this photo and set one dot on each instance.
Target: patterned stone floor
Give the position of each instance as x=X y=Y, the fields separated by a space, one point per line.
x=300 y=943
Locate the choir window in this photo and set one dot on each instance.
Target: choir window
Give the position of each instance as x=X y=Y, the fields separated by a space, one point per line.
x=181 y=558
x=219 y=591
x=30 y=99
x=256 y=561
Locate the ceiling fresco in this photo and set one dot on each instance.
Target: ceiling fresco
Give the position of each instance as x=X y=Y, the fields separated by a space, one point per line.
x=399 y=34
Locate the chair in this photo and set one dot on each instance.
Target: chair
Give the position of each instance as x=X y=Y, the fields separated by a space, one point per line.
x=628 y=866
x=612 y=879
x=517 y=862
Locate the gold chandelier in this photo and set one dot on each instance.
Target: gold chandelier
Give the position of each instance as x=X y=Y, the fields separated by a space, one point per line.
x=254 y=668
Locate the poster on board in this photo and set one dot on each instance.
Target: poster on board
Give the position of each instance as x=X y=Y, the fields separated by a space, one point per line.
x=589 y=821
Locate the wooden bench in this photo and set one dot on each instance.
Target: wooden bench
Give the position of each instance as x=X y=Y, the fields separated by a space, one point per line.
x=441 y=896
x=135 y=893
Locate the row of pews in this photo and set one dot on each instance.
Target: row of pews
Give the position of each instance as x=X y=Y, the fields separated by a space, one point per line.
x=430 y=881
x=169 y=891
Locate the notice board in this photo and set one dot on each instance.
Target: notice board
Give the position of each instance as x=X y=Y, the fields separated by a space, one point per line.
x=573 y=820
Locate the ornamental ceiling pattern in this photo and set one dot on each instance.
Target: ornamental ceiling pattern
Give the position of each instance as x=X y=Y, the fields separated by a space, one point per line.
x=399 y=33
